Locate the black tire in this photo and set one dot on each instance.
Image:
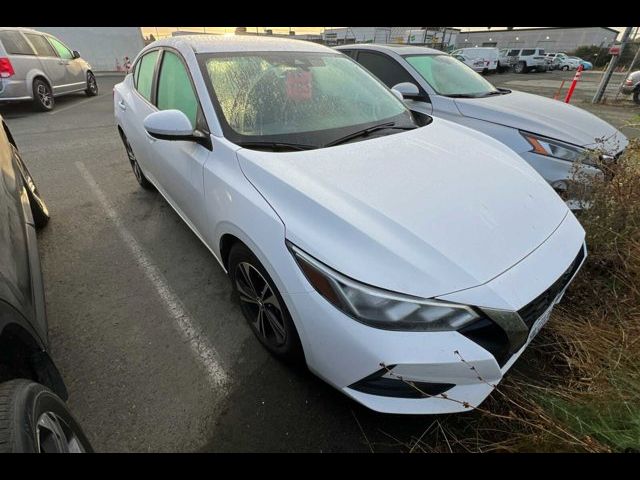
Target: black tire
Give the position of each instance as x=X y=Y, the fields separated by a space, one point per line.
x=135 y=166
x=92 y=85
x=636 y=96
x=39 y=209
x=521 y=67
x=33 y=419
x=288 y=349
x=43 y=99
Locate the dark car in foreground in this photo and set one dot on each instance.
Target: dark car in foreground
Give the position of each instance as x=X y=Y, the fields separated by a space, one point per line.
x=33 y=415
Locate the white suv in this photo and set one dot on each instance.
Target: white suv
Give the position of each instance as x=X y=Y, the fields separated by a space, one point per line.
x=529 y=59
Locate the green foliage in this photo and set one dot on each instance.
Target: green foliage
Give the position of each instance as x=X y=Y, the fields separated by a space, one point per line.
x=599 y=57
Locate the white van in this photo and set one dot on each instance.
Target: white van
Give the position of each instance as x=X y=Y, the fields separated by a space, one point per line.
x=481 y=59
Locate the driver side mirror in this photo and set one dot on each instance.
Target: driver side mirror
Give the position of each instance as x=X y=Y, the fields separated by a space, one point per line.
x=408 y=91
x=75 y=54
x=174 y=126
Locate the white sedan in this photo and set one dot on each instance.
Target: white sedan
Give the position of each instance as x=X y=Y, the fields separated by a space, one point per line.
x=391 y=252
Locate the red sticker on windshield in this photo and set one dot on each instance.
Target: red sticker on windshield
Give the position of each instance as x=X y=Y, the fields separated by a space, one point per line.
x=299 y=85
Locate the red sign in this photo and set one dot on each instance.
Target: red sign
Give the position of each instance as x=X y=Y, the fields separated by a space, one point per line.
x=615 y=50
x=299 y=85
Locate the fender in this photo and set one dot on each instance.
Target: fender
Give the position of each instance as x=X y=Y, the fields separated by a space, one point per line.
x=33 y=73
x=19 y=343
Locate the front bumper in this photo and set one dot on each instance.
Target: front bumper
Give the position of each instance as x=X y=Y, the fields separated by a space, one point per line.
x=628 y=89
x=345 y=352
x=342 y=352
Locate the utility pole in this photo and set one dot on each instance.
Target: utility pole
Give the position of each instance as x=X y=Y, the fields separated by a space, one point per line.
x=610 y=69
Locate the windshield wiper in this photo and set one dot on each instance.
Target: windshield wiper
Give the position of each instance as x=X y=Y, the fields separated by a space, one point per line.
x=276 y=145
x=499 y=91
x=462 y=95
x=365 y=132
x=496 y=92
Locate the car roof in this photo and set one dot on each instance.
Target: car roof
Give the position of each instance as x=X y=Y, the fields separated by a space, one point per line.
x=399 y=48
x=22 y=29
x=239 y=43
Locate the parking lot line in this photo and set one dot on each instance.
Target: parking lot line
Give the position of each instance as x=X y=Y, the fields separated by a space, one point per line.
x=198 y=342
x=81 y=102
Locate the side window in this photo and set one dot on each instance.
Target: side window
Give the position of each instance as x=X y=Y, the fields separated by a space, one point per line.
x=144 y=74
x=43 y=48
x=349 y=53
x=386 y=69
x=175 y=90
x=14 y=43
x=528 y=52
x=61 y=48
x=514 y=53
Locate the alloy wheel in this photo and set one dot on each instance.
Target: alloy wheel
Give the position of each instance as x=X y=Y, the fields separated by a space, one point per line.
x=44 y=94
x=260 y=304
x=53 y=435
x=93 y=85
x=132 y=159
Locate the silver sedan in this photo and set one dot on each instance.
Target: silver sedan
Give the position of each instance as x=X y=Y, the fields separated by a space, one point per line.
x=550 y=135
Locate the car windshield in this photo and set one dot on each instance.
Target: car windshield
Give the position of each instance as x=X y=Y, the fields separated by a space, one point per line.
x=450 y=77
x=298 y=98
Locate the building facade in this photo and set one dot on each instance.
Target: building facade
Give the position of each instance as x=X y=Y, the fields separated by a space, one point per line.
x=552 y=39
x=105 y=48
x=431 y=36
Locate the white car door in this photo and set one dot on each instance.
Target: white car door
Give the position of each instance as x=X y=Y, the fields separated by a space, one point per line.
x=179 y=165
x=133 y=104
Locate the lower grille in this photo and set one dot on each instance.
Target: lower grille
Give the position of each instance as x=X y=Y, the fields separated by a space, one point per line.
x=534 y=310
x=378 y=384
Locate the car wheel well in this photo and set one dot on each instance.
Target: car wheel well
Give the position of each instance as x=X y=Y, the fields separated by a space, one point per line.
x=22 y=357
x=40 y=77
x=16 y=348
x=226 y=244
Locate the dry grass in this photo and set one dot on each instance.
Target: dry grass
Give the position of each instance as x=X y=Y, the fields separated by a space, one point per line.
x=577 y=388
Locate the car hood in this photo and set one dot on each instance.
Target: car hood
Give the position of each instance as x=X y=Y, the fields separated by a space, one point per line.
x=424 y=212
x=544 y=116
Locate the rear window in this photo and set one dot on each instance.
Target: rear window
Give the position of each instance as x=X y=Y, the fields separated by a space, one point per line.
x=43 y=48
x=15 y=44
x=526 y=53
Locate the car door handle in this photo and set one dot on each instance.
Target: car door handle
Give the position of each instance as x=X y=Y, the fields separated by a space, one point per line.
x=122 y=105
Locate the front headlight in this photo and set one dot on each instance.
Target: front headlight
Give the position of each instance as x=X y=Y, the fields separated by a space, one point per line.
x=381 y=308
x=557 y=149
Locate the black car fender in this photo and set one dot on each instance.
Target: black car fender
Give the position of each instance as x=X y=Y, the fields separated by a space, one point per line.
x=23 y=355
